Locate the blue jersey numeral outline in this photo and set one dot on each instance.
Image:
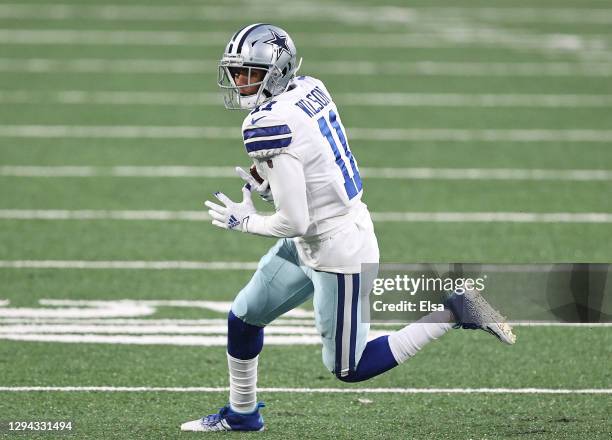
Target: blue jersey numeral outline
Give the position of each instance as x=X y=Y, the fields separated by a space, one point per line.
x=352 y=185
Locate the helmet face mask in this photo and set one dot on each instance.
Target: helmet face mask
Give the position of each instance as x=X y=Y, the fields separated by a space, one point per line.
x=238 y=96
x=259 y=48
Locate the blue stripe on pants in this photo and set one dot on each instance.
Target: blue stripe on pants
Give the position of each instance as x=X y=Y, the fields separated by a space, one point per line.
x=346 y=323
x=354 y=306
x=339 y=324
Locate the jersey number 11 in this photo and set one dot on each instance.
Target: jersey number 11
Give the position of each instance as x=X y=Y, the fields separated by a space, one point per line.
x=352 y=185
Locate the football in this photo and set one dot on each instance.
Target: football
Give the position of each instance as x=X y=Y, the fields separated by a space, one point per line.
x=255 y=174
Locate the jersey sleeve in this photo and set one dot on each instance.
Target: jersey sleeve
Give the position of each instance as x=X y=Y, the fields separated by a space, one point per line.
x=266 y=133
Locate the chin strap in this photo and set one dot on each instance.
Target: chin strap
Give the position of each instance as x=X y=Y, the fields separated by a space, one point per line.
x=298 y=67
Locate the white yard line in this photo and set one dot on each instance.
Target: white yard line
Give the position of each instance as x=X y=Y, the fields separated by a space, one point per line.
x=71 y=309
x=178 y=171
x=118 y=12
x=125 y=171
x=95 y=65
x=121 y=132
x=487 y=217
x=74 y=320
x=57 y=214
x=144 y=322
x=560 y=324
x=472 y=100
x=110 y=389
x=304 y=12
x=486 y=135
x=465 y=37
x=374 y=134
x=112 y=37
x=407 y=217
x=133 y=98
x=486 y=174
x=279 y=322
x=361 y=99
x=222 y=322
x=181 y=340
x=344 y=68
x=526 y=15
x=484 y=268
x=131 y=265
x=143 y=328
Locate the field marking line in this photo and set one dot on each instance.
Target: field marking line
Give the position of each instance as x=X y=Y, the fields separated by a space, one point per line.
x=131 y=97
x=473 y=100
x=216 y=306
x=504 y=217
x=100 y=65
x=142 y=329
x=156 y=339
x=487 y=174
x=144 y=215
x=36 y=330
x=464 y=37
x=10 y=329
x=120 y=132
x=176 y=265
x=279 y=322
x=137 y=321
x=301 y=12
x=341 y=67
x=110 y=310
x=559 y=324
x=481 y=268
x=131 y=265
x=372 y=134
x=189 y=99
x=120 y=308
x=401 y=217
x=526 y=14
x=22 y=389
x=117 y=321
x=223 y=322
x=424 y=173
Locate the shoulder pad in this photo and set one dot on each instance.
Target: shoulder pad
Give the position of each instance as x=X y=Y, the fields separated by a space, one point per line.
x=265 y=134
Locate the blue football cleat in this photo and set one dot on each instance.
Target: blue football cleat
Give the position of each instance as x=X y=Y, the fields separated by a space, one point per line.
x=473 y=312
x=228 y=420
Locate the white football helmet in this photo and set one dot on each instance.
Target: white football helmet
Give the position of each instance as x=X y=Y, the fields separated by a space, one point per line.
x=263 y=47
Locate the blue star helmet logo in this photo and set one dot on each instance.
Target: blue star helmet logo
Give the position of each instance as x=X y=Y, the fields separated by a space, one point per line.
x=279 y=42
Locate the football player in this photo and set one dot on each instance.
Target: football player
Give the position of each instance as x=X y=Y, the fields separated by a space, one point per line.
x=327 y=247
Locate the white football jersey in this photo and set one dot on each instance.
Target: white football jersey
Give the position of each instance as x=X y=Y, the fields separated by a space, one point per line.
x=304 y=123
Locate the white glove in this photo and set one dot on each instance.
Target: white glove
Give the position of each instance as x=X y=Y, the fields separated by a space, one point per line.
x=263 y=189
x=233 y=215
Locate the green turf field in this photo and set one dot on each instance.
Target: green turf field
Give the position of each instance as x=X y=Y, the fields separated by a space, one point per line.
x=501 y=107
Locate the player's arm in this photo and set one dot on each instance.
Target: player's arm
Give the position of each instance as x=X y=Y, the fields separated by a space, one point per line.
x=291 y=217
x=267 y=135
x=288 y=183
